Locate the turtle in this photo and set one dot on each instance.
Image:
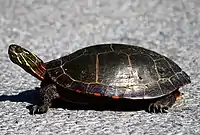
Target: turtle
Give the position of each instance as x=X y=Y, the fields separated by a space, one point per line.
x=116 y=71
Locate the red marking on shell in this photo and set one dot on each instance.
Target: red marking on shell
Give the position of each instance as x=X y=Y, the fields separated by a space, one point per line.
x=97 y=94
x=78 y=91
x=107 y=89
x=115 y=97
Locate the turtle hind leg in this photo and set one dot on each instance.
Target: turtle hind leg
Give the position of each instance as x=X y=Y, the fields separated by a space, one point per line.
x=47 y=94
x=163 y=104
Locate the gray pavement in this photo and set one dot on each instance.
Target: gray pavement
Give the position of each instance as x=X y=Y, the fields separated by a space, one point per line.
x=53 y=28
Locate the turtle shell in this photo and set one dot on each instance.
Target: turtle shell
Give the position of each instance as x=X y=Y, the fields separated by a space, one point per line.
x=117 y=71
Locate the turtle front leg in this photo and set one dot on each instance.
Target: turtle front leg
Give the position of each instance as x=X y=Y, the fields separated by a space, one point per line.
x=47 y=94
x=163 y=104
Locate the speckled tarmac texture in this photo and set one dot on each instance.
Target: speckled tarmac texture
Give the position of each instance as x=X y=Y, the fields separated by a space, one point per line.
x=53 y=28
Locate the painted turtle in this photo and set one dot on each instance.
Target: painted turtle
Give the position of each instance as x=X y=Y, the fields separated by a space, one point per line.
x=112 y=70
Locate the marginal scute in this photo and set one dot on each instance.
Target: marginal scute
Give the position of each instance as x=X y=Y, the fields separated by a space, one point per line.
x=96 y=88
x=134 y=92
x=176 y=81
x=152 y=54
x=125 y=49
x=103 y=49
x=186 y=77
x=173 y=65
x=64 y=80
x=114 y=91
x=78 y=86
x=152 y=90
x=166 y=86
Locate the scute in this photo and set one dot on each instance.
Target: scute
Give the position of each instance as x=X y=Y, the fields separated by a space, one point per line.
x=111 y=66
x=166 y=86
x=163 y=68
x=82 y=68
x=123 y=71
x=145 y=68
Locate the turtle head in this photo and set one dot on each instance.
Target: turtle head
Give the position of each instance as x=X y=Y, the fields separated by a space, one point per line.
x=27 y=60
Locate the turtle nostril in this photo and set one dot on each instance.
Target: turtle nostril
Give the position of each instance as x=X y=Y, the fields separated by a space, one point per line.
x=11 y=48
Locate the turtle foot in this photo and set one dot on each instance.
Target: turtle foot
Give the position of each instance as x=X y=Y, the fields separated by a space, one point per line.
x=163 y=104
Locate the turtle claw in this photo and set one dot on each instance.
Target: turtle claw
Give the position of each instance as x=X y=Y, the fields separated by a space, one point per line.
x=164 y=109
x=33 y=110
x=157 y=108
x=149 y=108
x=38 y=109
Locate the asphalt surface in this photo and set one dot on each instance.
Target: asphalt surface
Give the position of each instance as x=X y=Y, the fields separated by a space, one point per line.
x=56 y=28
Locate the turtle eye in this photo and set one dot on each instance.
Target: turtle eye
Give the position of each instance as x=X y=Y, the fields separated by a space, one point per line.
x=18 y=50
x=12 y=55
